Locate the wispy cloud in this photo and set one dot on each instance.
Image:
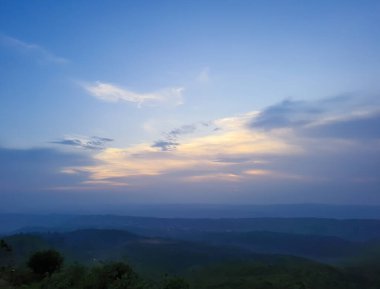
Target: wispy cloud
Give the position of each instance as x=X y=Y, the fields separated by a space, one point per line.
x=185 y=129
x=33 y=49
x=165 y=145
x=170 y=140
x=204 y=75
x=113 y=93
x=218 y=177
x=271 y=174
x=92 y=143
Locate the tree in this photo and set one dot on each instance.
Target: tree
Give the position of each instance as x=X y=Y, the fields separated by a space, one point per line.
x=6 y=256
x=4 y=245
x=45 y=262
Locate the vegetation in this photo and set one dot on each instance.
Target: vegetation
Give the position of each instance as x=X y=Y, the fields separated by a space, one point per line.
x=45 y=262
x=287 y=274
x=112 y=275
x=175 y=283
x=114 y=259
x=5 y=246
x=284 y=275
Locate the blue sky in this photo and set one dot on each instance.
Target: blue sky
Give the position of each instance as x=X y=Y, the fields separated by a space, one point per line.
x=189 y=101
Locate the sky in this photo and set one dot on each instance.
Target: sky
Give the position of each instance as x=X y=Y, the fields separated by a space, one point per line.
x=108 y=103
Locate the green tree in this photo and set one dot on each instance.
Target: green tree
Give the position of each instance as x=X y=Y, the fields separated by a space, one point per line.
x=45 y=262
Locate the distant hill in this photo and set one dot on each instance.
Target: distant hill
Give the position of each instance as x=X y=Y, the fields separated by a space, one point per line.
x=248 y=211
x=323 y=248
x=94 y=246
x=186 y=228
x=206 y=211
x=183 y=228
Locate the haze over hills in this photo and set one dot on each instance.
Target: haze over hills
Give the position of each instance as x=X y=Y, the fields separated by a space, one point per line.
x=229 y=257
x=124 y=216
x=277 y=251
x=323 y=239
x=202 y=264
x=220 y=211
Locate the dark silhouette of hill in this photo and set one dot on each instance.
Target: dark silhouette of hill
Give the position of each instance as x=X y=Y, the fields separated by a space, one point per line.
x=94 y=246
x=185 y=228
x=323 y=248
x=219 y=260
x=182 y=228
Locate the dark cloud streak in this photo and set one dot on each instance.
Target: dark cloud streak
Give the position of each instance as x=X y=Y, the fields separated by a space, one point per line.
x=337 y=117
x=170 y=141
x=287 y=113
x=185 y=129
x=164 y=145
x=34 y=169
x=363 y=127
x=92 y=143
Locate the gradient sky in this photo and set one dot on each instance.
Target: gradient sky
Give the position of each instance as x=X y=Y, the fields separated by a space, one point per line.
x=115 y=102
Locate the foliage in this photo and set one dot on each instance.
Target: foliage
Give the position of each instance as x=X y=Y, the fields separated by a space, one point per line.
x=113 y=276
x=175 y=283
x=45 y=262
x=287 y=274
x=198 y=265
x=5 y=246
x=17 y=276
x=5 y=253
x=71 y=277
x=284 y=275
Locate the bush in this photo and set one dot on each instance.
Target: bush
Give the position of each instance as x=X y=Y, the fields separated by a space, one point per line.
x=115 y=275
x=175 y=283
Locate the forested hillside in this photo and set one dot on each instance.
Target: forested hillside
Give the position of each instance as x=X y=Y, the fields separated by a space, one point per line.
x=96 y=258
